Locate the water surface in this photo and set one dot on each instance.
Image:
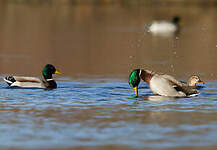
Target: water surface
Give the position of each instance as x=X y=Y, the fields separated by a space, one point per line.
x=103 y=113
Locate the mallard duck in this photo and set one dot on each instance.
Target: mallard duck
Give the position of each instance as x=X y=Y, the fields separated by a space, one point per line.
x=33 y=82
x=193 y=81
x=163 y=27
x=161 y=84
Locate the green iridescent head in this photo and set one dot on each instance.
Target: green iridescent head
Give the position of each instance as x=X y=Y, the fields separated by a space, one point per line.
x=134 y=80
x=48 y=71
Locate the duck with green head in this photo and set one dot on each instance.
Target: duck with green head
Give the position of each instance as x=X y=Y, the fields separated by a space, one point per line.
x=134 y=80
x=33 y=82
x=161 y=84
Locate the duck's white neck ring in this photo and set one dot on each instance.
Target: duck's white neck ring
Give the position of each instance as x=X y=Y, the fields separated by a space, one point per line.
x=49 y=79
x=140 y=72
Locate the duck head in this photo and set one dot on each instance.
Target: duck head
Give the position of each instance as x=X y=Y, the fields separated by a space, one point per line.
x=134 y=80
x=49 y=70
x=176 y=19
x=193 y=80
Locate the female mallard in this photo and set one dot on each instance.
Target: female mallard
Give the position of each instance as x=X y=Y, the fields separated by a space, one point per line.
x=193 y=81
x=163 y=27
x=32 y=82
x=161 y=84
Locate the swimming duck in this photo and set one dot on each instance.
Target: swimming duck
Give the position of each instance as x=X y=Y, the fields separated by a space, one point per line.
x=33 y=82
x=193 y=81
x=161 y=84
x=163 y=27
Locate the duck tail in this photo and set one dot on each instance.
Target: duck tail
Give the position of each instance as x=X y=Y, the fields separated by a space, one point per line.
x=147 y=27
x=9 y=80
x=193 y=94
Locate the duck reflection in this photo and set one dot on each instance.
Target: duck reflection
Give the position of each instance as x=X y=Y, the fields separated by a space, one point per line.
x=157 y=98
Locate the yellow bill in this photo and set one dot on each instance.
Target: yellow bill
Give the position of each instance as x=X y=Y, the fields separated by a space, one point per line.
x=57 y=72
x=136 y=91
x=201 y=82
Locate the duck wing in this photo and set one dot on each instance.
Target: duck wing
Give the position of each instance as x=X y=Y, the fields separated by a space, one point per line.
x=25 y=82
x=172 y=79
x=184 y=83
x=27 y=79
x=179 y=86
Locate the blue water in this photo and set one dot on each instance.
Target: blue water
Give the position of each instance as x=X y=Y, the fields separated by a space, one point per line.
x=104 y=112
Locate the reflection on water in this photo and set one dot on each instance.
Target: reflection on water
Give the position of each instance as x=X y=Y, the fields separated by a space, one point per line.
x=106 y=38
x=157 y=98
x=102 y=113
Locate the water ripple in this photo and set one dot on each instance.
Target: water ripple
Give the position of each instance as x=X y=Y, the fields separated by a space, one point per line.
x=105 y=112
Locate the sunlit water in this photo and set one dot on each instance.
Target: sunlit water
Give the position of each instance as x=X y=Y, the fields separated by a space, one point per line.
x=103 y=113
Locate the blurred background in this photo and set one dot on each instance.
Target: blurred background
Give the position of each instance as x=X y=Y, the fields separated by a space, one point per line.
x=106 y=37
